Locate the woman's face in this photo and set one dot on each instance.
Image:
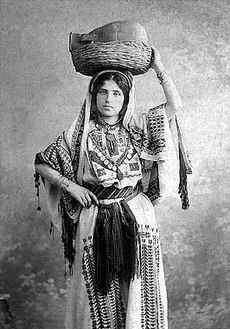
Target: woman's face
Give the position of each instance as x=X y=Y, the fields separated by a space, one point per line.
x=109 y=101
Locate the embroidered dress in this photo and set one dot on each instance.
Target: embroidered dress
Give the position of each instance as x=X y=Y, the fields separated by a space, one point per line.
x=142 y=303
x=113 y=249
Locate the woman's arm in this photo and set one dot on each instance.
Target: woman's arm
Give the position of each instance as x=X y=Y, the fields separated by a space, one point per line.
x=80 y=193
x=173 y=99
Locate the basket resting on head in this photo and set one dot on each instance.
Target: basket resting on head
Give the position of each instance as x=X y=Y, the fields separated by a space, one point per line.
x=118 y=45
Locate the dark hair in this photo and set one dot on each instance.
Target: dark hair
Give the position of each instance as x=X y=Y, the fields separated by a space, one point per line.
x=123 y=83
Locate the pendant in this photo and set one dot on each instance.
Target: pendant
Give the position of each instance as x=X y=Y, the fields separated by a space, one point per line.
x=111 y=144
x=120 y=176
x=110 y=137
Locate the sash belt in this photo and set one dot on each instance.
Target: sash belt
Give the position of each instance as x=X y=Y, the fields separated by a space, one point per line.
x=113 y=192
x=115 y=238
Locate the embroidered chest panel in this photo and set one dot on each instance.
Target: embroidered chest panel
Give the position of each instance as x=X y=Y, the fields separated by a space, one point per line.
x=112 y=154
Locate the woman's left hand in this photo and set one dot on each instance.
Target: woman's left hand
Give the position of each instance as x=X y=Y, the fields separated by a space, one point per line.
x=156 y=63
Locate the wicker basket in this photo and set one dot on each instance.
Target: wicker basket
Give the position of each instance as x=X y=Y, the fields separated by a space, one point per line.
x=118 y=45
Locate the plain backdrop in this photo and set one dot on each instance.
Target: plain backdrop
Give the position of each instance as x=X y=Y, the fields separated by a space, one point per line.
x=41 y=94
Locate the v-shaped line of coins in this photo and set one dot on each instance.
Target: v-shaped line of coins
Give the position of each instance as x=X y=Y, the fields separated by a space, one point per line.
x=108 y=162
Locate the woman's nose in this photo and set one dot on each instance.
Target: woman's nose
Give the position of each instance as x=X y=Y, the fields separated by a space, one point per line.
x=108 y=97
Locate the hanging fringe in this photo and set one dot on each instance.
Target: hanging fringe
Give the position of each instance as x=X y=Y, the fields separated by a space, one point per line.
x=183 y=190
x=68 y=227
x=153 y=191
x=37 y=185
x=185 y=167
x=68 y=233
x=130 y=234
x=115 y=245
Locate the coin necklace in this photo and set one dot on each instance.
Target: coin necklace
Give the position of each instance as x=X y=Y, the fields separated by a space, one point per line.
x=100 y=157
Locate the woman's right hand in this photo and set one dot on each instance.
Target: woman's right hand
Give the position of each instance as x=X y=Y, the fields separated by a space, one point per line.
x=85 y=197
x=156 y=63
x=80 y=193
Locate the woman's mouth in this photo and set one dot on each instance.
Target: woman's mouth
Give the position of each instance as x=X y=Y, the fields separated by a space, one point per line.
x=108 y=107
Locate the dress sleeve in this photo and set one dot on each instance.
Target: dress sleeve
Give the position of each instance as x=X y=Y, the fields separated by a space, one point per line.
x=149 y=133
x=159 y=144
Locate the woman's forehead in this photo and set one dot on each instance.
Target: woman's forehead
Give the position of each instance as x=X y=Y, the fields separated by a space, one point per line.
x=110 y=85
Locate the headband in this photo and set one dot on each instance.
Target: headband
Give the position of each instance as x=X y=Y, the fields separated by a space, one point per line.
x=126 y=74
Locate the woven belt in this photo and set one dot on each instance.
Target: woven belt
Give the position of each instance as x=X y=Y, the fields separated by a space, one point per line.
x=109 y=201
x=107 y=195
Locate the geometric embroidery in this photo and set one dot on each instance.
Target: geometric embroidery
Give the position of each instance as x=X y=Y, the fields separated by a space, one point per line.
x=106 y=311
x=134 y=166
x=100 y=172
x=152 y=310
x=156 y=123
x=150 y=139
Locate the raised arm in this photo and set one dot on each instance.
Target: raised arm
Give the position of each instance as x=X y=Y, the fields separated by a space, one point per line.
x=173 y=99
x=80 y=193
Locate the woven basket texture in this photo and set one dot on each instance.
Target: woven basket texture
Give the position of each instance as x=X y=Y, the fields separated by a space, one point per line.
x=129 y=55
x=118 y=45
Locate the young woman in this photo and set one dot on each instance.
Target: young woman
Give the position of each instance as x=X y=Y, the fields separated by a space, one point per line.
x=94 y=176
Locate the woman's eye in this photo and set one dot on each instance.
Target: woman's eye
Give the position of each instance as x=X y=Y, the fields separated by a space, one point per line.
x=102 y=92
x=117 y=93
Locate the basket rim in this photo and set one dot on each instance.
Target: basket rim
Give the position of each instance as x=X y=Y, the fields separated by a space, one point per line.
x=107 y=43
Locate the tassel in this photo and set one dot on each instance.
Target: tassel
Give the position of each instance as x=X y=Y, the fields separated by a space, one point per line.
x=37 y=185
x=115 y=243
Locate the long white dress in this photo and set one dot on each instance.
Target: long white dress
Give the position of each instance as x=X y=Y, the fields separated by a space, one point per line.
x=142 y=303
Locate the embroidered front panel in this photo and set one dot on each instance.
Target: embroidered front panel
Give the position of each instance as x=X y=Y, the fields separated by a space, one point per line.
x=106 y=311
x=98 y=139
x=152 y=309
x=117 y=161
